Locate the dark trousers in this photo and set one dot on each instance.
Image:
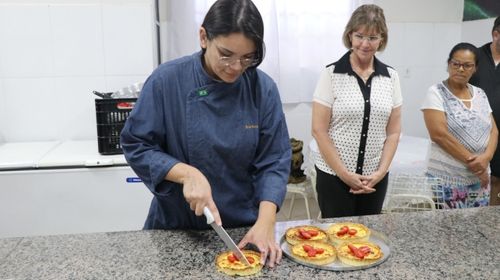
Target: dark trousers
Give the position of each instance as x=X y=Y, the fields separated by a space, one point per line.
x=335 y=200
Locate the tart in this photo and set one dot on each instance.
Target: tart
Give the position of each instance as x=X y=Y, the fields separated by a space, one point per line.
x=347 y=231
x=359 y=253
x=314 y=252
x=305 y=233
x=229 y=264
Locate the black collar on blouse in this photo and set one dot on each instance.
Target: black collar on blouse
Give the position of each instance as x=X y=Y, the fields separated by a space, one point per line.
x=343 y=65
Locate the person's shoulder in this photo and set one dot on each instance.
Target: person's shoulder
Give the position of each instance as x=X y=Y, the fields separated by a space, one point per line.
x=477 y=89
x=177 y=64
x=259 y=76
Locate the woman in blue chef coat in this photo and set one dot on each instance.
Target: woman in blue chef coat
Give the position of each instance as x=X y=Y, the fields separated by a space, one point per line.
x=209 y=130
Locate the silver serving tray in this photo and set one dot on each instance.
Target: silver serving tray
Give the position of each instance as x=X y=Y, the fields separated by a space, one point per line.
x=375 y=237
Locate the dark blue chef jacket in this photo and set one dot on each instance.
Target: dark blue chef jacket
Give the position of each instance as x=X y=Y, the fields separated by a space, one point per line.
x=234 y=133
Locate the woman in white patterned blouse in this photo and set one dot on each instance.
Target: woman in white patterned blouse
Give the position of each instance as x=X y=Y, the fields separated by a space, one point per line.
x=463 y=133
x=356 y=121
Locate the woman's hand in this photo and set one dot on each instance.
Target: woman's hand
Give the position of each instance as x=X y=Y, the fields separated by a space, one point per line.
x=355 y=182
x=478 y=164
x=485 y=180
x=262 y=235
x=198 y=194
x=373 y=179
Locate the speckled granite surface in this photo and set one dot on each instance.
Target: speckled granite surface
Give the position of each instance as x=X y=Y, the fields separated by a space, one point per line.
x=458 y=244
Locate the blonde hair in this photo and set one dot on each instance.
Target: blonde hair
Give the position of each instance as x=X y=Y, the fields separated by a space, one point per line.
x=371 y=17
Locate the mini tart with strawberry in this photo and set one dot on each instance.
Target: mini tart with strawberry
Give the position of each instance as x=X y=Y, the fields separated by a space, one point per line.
x=359 y=253
x=229 y=264
x=314 y=252
x=305 y=233
x=342 y=232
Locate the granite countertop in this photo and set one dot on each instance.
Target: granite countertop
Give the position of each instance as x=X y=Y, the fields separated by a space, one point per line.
x=443 y=244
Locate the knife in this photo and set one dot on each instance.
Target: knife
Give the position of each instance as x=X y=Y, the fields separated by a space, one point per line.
x=225 y=237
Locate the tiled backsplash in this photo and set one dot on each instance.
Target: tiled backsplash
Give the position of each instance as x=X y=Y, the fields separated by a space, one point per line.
x=52 y=56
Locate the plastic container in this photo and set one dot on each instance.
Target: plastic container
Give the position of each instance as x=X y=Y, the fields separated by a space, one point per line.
x=111 y=115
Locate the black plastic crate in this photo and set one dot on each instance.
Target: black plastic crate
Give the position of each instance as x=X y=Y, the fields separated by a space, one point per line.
x=111 y=115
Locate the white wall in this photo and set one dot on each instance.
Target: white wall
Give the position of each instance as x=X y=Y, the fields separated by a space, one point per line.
x=477 y=32
x=55 y=53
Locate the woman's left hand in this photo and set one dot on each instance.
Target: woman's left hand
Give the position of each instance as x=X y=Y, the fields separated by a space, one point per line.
x=262 y=235
x=485 y=179
x=372 y=180
x=478 y=164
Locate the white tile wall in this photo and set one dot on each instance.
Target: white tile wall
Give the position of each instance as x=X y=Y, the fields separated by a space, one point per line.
x=127 y=33
x=444 y=37
x=77 y=39
x=3 y=116
x=30 y=110
x=27 y=49
x=114 y=83
x=77 y=119
x=54 y=54
x=418 y=51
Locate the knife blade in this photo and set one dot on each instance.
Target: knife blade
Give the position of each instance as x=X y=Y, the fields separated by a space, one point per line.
x=225 y=237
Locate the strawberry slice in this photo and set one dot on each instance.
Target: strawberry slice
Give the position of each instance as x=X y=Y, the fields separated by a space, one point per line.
x=352 y=231
x=307 y=247
x=235 y=257
x=356 y=252
x=311 y=253
x=320 y=250
x=365 y=250
x=313 y=232
x=304 y=234
x=343 y=230
x=231 y=258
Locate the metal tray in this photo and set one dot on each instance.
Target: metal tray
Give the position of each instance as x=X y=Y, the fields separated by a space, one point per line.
x=375 y=237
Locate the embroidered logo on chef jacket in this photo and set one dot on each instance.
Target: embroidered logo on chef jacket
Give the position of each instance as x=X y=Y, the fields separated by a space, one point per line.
x=250 y=126
x=202 y=92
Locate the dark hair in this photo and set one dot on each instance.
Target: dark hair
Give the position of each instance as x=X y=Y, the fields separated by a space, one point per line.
x=496 y=25
x=369 y=16
x=236 y=16
x=464 y=46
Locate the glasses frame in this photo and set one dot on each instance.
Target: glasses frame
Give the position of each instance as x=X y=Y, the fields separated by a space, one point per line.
x=456 y=65
x=228 y=61
x=372 y=39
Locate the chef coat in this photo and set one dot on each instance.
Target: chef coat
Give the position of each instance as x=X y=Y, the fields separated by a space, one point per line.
x=234 y=133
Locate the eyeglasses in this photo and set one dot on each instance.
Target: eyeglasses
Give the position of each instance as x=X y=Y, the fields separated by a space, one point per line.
x=457 y=64
x=227 y=61
x=370 y=39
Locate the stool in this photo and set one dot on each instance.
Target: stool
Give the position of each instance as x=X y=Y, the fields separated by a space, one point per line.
x=300 y=188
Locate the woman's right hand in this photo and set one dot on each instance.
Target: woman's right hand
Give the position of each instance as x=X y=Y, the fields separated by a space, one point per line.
x=198 y=194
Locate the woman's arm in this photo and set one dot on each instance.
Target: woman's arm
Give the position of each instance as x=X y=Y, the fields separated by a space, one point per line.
x=480 y=163
x=437 y=126
x=321 y=116
x=393 y=131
